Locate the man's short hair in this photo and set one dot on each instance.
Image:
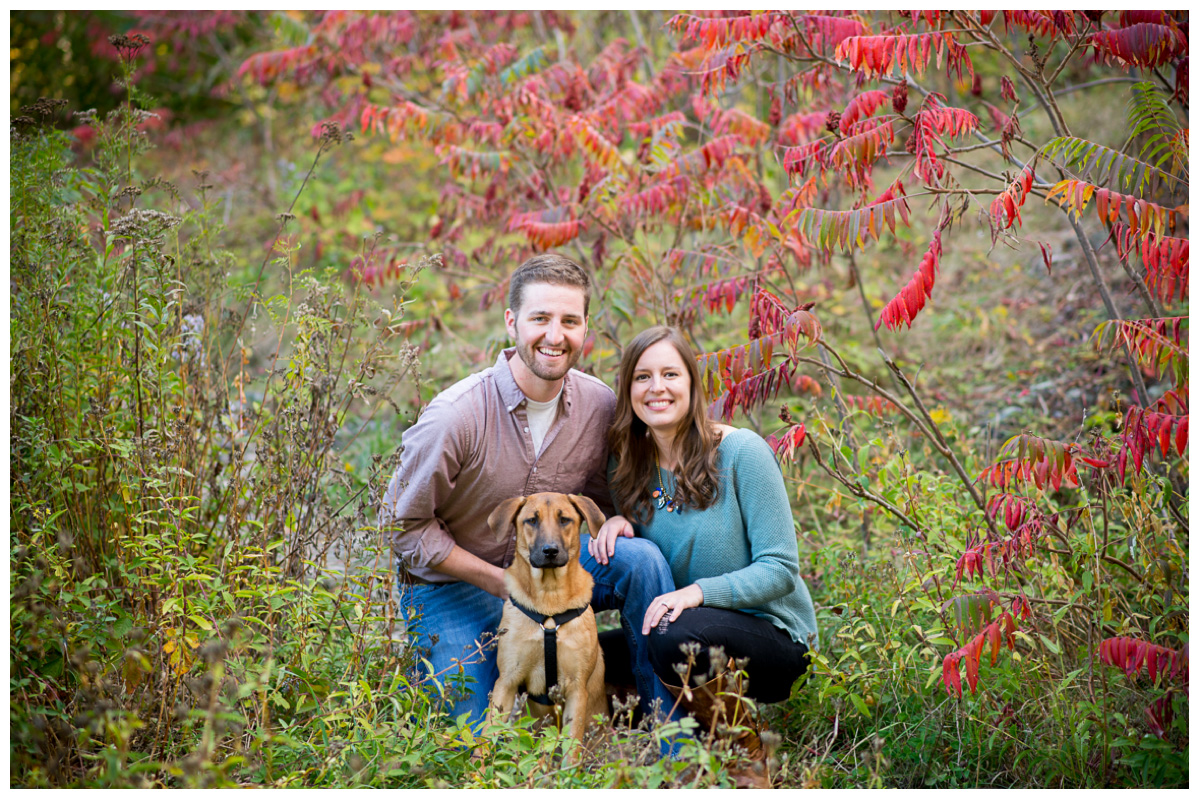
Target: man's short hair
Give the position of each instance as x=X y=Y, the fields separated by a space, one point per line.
x=548 y=268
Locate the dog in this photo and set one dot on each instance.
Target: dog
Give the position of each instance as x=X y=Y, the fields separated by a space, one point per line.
x=546 y=580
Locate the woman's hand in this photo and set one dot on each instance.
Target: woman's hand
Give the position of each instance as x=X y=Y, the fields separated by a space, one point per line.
x=601 y=547
x=673 y=604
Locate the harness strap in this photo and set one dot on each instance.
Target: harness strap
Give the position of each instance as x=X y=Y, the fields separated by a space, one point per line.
x=549 y=644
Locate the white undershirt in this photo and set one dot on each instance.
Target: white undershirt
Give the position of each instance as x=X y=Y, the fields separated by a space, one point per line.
x=540 y=417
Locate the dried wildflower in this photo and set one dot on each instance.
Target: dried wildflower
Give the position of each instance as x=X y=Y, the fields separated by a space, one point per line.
x=44 y=107
x=142 y=223
x=161 y=183
x=129 y=46
x=140 y=115
x=332 y=133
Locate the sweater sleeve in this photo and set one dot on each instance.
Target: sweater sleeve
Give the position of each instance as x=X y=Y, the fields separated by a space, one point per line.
x=757 y=487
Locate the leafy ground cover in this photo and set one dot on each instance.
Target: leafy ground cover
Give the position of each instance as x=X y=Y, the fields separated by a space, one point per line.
x=939 y=259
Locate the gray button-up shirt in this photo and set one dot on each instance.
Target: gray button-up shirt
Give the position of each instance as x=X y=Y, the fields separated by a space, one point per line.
x=471 y=448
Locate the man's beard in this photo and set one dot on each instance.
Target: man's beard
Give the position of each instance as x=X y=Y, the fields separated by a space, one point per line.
x=529 y=355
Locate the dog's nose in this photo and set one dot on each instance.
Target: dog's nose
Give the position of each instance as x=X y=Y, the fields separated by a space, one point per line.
x=549 y=552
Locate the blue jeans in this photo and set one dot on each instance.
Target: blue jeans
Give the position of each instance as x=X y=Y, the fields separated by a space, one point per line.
x=459 y=615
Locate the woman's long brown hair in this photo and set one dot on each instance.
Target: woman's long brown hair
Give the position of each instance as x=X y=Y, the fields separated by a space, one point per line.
x=630 y=442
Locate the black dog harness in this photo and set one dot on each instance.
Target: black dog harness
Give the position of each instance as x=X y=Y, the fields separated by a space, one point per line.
x=549 y=626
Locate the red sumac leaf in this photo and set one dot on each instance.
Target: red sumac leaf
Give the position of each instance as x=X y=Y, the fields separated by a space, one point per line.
x=1143 y=45
x=716 y=33
x=905 y=306
x=972 y=659
x=885 y=54
x=1131 y=655
x=786 y=445
x=998 y=633
x=1005 y=208
x=861 y=107
x=950 y=675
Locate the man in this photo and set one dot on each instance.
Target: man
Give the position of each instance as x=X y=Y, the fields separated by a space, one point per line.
x=528 y=424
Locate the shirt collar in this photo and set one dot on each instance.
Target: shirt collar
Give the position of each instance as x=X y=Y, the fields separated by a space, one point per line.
x=511 y=394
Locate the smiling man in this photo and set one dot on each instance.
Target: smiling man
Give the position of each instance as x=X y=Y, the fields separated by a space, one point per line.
x=528 y=424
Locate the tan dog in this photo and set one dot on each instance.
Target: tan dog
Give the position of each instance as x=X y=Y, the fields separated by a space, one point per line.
x=548 y=580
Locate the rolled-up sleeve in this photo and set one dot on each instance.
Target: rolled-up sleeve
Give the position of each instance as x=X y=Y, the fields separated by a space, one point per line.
x=429 y=467
x=596 y=486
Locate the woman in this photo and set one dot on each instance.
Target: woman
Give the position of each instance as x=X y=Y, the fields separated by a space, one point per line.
x=713 y=499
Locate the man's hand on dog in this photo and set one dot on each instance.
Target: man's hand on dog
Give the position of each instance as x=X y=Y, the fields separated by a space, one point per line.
x=671 y=605
x=605 y=542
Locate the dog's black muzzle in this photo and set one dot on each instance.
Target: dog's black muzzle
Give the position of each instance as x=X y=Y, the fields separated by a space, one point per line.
x=547 y=553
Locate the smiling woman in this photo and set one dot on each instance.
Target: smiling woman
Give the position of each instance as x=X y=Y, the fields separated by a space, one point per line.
x=660 y=391
x=712 y=498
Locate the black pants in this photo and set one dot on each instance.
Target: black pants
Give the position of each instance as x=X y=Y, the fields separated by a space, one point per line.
x=775 y=661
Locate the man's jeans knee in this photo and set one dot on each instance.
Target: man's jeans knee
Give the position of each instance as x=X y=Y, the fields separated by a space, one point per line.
x=632 y=578
x=459 y=616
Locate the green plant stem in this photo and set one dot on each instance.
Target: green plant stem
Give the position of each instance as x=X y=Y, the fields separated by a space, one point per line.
x=862 y=295
x=858 y=491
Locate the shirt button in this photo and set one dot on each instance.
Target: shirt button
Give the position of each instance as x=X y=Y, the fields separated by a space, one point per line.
x=535 y=469
x=527 y=430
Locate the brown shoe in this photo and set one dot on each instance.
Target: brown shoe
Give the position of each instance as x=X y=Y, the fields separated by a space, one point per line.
x=718 y=706
x=752 y=776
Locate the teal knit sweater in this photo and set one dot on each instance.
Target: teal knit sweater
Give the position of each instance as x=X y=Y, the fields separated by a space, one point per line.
x=741 y=551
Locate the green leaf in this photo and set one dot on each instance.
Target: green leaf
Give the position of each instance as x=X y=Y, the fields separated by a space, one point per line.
x=53 y=667
x=1051 y=646
x=864 y=453
x=201 y=622
x=122 y=627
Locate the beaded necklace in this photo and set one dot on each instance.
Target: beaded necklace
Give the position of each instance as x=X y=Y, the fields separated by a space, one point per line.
x=660 y=494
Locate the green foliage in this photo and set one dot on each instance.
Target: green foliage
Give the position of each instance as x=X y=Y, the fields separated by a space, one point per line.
x=52 y=56
x=1151 y=117
x=189 y=579
x=1102 y=164
x=68 y=55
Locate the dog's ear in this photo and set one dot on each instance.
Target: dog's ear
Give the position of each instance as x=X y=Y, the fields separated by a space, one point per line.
x=503 y=519
x=590 y=511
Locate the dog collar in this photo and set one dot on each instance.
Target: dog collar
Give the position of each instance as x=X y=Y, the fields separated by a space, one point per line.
x=549 y=625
